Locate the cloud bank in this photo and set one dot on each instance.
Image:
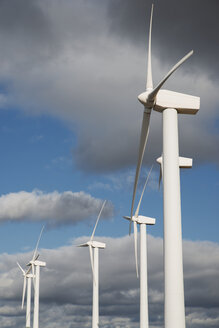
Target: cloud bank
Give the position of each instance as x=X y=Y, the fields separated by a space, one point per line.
x=54 y=208
x=85 y=63
x=66 y=285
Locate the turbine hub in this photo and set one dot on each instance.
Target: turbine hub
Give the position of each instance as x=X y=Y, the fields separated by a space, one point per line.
x=145 y=100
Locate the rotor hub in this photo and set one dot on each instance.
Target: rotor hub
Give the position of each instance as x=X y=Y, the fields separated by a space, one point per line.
x=145 y=100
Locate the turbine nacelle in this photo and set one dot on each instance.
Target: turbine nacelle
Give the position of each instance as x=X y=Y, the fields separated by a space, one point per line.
x=94 y=244
x=40 y=263
x=184 y=162
x=183 y=103
x=140 y=219
x=30 y=275
x=36 y=262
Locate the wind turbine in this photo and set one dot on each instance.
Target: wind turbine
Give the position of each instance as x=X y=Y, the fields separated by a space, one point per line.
x=170 y=104
x=34 y=263
x=94 y=259
x=143 y=221
x=27 y=283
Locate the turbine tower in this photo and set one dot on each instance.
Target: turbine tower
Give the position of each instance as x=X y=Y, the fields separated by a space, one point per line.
x=143 y=221
x=35 y=264
x=170 y=104
x=27 y=285
x=94 y=259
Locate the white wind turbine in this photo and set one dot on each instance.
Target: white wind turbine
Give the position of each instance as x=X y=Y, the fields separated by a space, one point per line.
x=170 y=104
x=35 y=264
x=94 y=259
x=26 y=286
x=143 y=221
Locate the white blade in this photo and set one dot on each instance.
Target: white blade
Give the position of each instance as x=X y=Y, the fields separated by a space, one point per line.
x=33 y=272
x=82 y=245
x=161 y=172
x=21 y=268
x=36 y=258
x=139 y=203
x=149 y=83
x=92 y=236
x=136 y=246
x=127 y=218
x=160 y=177
x=24 y=290
x=143 y=141
x=92 y=262
x=28 y=269
x=153 y=94
x=34 y=254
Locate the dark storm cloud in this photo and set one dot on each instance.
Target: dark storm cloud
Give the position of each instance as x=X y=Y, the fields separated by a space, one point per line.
x=178 y=26
x=85 y=63
x=66 y=285
x=23 y=17
x=26 y=34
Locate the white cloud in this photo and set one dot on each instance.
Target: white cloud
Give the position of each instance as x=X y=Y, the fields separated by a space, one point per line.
x=55 y=208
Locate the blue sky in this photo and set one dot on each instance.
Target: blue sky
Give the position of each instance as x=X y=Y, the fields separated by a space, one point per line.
x=70 y=123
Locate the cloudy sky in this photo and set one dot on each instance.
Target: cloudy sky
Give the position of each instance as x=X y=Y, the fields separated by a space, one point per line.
x=70 y=74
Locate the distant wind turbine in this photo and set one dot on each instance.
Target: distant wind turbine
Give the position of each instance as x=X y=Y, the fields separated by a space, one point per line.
x=142 y=221
x=27 y=285
x=35 y=265
x=170 y=104
x=94 y=259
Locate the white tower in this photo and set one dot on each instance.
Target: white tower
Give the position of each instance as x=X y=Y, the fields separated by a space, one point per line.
x=37 y=265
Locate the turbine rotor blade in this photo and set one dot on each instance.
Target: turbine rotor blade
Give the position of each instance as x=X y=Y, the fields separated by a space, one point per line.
x=33 y=272
x=127 y=217
x=161 y=171
x=149 y=83
x=21 y=268
x=160 y=177
x=24 y=291
x=139 y=203
x=35 y=251
x=92 y=236
x=154 y=92
x=143 y=141
x=130 y=226
x=82 y=245
x=92 y=261
x=136 y=246
x=28 y=271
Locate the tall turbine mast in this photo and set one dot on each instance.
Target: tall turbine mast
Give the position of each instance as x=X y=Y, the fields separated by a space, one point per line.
x=170 y=104
x=35 y=265
x=143 y=221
